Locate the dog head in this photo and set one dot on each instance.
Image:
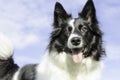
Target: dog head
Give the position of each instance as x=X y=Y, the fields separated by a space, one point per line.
x=80 y=37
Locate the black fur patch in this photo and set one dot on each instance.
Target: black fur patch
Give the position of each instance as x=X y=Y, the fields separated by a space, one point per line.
x=27 y=72
x=7 y=69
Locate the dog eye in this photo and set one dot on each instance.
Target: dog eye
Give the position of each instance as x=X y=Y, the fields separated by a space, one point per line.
x=84 y=29
x=69 y=29
x=79 y=27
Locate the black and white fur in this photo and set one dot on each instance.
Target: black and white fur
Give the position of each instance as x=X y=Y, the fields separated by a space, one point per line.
x=74 y=51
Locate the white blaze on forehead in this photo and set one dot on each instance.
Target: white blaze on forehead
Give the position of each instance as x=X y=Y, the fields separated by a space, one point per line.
x=71 y=23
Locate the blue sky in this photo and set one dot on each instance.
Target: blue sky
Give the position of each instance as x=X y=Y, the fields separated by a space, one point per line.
x=28 y=24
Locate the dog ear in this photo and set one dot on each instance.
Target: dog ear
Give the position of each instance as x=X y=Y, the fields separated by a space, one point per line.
x=60 y=15
x=89 y=12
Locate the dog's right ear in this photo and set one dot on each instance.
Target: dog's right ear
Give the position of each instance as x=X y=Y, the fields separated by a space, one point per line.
x=89 y=12
x=60 y=15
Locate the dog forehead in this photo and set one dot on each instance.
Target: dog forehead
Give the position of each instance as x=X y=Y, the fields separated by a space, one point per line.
x=76 y=22
x=79 y=21
x=71 y=22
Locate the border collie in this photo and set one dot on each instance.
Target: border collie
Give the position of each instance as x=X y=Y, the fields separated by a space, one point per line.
x=74 y=51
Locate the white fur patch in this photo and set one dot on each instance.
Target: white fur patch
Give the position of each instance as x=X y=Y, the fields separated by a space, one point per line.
x=15 y=76
x=6 y=48
x=71 y=23
x=61 y=67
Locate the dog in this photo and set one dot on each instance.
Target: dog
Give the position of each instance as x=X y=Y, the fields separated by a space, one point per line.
x=74 y=52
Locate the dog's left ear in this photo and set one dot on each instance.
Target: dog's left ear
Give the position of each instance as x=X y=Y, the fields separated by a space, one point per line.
x=89 y=12
x=60 y=15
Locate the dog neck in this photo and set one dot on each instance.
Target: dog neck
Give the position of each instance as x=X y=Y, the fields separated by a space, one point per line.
x=64 y=61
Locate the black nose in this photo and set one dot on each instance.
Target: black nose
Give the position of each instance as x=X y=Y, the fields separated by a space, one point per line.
x=75 y=41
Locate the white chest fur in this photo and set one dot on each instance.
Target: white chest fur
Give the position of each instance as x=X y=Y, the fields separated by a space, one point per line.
x=61 y=67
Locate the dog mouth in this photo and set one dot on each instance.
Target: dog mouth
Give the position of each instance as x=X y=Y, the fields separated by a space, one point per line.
x=77 y=54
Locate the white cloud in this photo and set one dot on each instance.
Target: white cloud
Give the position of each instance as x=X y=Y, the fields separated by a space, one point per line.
x=39 y=22
x=19 y=19
x=113 y=52
x=21 y=60
x=15 y=31
x=21 y=41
